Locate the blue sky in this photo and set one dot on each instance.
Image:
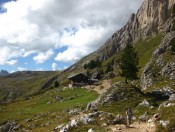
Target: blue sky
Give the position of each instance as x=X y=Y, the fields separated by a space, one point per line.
x=54 y=34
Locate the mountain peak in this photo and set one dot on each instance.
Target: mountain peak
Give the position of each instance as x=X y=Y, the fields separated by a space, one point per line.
x=4 y=73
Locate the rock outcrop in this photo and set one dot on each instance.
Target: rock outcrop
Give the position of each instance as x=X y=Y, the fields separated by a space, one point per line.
x=9 y=127
x=159 y=67
x=148 y=21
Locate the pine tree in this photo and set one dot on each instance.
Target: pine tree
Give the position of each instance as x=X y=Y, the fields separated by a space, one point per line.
x=129 y=63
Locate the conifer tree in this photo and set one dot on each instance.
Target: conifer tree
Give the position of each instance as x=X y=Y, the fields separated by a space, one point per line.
x=129 y=63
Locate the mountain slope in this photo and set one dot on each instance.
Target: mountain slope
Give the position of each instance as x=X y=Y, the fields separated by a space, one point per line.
x=151 y=31
x=149 y=21
x=21 y=84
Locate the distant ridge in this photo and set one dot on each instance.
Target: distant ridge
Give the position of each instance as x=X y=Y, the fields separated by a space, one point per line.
x=4 y=73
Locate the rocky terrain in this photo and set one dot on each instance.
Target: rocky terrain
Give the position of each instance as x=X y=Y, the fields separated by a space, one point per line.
x=152 y=19
x=148 y=21
x=101 y=107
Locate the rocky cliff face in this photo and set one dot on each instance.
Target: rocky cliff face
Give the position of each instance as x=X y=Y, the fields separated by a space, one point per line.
x=152 y=18
x=161 y=67
x=148 y=21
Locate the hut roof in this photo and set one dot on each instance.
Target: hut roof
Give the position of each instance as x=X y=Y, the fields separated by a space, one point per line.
x=77 y=74
x=79 y=78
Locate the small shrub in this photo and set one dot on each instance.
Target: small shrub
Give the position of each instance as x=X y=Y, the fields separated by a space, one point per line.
x=85 y=66
x=56 y=84
x=109 y=68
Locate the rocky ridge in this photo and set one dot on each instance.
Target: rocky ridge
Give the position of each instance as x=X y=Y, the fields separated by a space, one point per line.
x=150 y=20
x=3 y=73
x=159 y=64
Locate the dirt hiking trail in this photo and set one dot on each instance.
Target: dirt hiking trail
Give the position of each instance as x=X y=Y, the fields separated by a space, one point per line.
x=135 y=127
x=106 y=84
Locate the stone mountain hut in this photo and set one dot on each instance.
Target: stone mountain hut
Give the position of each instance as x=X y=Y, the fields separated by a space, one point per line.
x=79 y=79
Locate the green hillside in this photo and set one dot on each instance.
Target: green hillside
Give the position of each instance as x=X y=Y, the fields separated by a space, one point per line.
x=41 y=112
x=22 y=84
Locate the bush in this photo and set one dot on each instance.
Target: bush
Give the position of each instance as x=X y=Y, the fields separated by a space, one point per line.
x=92 y=64
x=56 y=84
x=109 y=68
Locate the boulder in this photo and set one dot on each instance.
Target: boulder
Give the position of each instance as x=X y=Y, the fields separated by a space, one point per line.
x=58 y=98
x=9 y=126
x=86 y=119
x=119 y=119
x=104 y=125
x=172 y=97
x=49 y=102
x=144 y=103
x=95 y=114
x=144 y=117
x=58 y=127
x=88 y=106
x=166 y=104
x=73 y=123
x=28 y=120
x=64 y=129
x=150 y=123
x=164 y=123
x=167 y=91
x=73 y=112
x=91 y=130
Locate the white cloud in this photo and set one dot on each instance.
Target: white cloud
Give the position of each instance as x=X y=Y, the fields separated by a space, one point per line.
x=88 y=37
x=71 y=55
x=42 y=57
x=21 y=69
x=54 y=66
x=7 y=54
x=25 y=53
x=38 y=25
x=11 y=62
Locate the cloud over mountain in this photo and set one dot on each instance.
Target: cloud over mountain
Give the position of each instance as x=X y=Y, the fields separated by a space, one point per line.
x=44 y=26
